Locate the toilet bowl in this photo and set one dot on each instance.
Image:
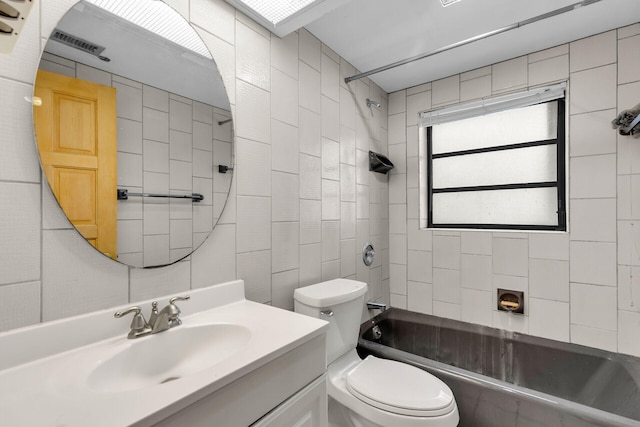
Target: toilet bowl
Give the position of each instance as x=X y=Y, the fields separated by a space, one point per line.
x=372 y=392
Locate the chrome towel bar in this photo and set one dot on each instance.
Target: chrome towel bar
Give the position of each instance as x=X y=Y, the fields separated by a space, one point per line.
x=123 y=194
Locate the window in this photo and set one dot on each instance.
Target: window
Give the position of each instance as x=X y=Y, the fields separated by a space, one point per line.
x=501 y=170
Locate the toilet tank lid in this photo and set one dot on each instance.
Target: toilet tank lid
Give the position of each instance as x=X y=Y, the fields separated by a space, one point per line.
x=330 y=293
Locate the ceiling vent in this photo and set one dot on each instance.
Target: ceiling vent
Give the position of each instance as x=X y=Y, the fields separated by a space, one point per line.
x=77 y=43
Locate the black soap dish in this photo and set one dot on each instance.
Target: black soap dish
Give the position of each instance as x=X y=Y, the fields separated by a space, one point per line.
x=379 y=163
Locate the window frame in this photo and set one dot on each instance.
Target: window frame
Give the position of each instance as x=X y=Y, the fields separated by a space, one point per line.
x=560 y=183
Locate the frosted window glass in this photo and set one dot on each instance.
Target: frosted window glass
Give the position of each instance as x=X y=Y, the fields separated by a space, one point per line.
x=531 y=206
x=518 y=166
x=533 y=123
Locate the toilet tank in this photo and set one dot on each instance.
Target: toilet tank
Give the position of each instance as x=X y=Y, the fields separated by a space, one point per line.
x=344 y=298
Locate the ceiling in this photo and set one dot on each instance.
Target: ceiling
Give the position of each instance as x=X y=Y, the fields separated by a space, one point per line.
x=370 y=34
x=374 y=33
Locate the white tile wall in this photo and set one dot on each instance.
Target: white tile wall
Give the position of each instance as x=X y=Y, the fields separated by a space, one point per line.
x=479 y=87
x=446 y=285
x=593 y=176
x=254 y=168
x=255 y=269
x=420 y=297
x=254 y=223
x=590 y=133
x=580 y=286
x=510 y=256
x=284 y=54
x=476 y=307
x=311 y=179
x=510 y=74
x=593 y=51
x=594 y=306
x=584 y=213
x=349 y=257
x=285 y=244
x=549 y=279
x=594 y=337
x=147 y=283
x=243 y=246
x=548 y=70
x=284 y=150
x=310 y=49
x=282 y=286
x=445 y=91
x=628 y=329
x=477 y=272
x=446 y=252
x=593 y=262
x=20 y=248
x=252 y=57
x=628 y=59
x=549 y=319
x=593 y=89
x=76 y=276
x=330 y=240
x=284 y=198
x=284 y=97
x=25 y=307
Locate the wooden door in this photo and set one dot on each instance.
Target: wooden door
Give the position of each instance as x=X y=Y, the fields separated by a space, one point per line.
x=77 y=139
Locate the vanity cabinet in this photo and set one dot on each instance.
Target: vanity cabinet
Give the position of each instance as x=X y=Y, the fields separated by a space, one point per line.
x=288 y=391
x=196 y=375
x=307 y=408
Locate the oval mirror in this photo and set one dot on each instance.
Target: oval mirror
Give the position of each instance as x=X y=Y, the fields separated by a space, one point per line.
x=133 y=126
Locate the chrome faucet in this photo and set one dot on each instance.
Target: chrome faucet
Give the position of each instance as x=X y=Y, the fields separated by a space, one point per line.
x=139 y=326
x=166 y=318
x=372 y=305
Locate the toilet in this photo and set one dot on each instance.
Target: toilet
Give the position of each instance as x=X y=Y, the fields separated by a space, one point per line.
x=372 y=392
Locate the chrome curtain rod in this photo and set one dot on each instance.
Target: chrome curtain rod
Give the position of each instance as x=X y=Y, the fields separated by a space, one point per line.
x=472 y=39
x=123 y=194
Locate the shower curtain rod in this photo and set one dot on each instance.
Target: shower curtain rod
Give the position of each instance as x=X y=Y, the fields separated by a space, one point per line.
x=472 y=39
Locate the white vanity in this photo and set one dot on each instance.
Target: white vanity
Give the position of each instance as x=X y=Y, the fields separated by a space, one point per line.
x=232 y=363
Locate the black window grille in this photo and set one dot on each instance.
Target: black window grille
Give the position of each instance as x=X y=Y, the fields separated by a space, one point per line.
x=495 y=180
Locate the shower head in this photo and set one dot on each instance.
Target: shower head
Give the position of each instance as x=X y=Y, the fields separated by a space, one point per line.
x=373 y=103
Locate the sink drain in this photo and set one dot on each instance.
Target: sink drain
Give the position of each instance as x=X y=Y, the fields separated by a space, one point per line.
x=166 y=380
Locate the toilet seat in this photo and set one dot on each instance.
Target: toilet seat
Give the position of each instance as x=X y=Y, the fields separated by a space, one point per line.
x=399 y=388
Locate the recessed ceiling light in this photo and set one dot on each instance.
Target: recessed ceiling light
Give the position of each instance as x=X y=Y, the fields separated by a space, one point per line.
x=277 y=11
x=282 y=17
x=446 y=3
x=158 y=18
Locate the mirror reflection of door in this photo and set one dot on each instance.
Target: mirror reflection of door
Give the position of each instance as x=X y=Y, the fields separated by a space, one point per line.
x=173 y=131
x=76 y=134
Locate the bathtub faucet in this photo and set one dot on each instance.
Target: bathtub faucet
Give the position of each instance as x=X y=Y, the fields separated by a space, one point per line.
x=372 y=305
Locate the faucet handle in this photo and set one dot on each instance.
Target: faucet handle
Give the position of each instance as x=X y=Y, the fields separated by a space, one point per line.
x=138 y=323
x=174 y=312
x=184 y=298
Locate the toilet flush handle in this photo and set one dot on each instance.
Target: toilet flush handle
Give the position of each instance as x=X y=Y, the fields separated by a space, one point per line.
x=327 y=313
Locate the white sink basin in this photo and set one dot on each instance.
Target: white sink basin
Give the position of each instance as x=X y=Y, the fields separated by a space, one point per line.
x=167 y=356
x=83 y=371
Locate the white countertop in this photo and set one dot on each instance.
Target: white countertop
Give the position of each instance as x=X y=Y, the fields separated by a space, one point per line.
x=52 y=391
